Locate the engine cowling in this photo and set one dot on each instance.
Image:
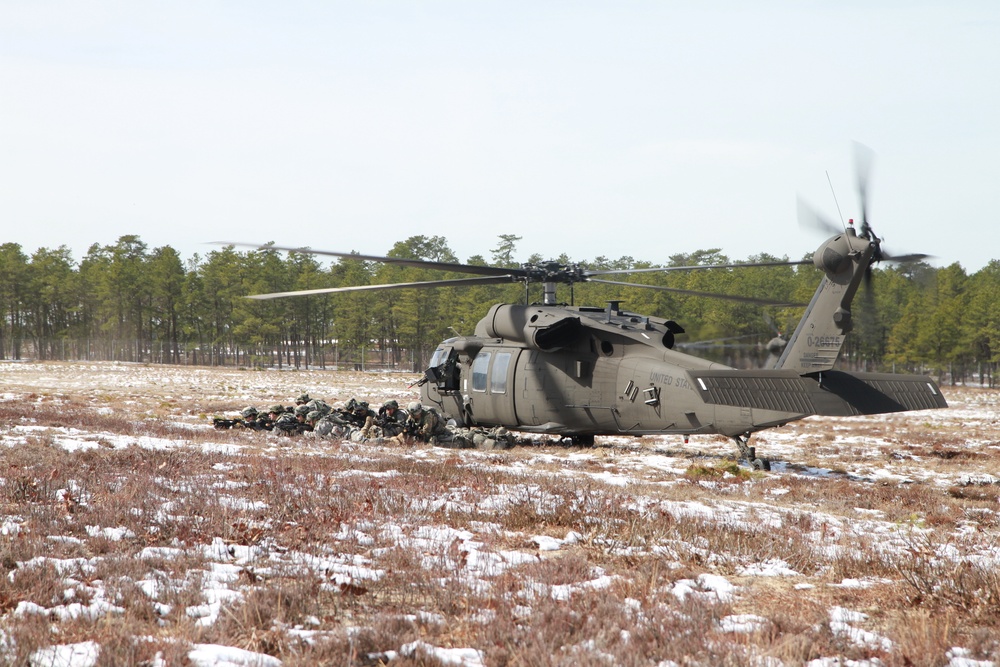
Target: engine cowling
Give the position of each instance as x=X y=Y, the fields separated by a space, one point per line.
x=539 y=328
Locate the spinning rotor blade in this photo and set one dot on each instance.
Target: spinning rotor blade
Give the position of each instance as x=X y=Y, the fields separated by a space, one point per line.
x=711 y=295
x=485 y=280
x=720 y=342
x=611 y=272
x=810 y=219
x=905 y=259
x=863 y=158
x=400 y=261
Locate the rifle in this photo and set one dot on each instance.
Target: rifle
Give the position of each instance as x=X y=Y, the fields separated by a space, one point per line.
x=286 y=427
x=411 y=428
x=220 y=423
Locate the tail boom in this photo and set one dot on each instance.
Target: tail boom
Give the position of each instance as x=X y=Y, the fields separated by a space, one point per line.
x=828 y=393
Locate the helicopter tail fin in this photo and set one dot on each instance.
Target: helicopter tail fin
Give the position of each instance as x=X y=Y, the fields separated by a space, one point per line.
x=816 y=344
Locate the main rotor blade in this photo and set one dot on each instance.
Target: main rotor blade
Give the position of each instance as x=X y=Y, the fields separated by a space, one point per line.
x=711 y=295
x=904 y=259
x=863 y=158
x=400 y=261
x=810 y=219
x=717 y=342
x=486 y=280
x=728 y=346
x=695 y=267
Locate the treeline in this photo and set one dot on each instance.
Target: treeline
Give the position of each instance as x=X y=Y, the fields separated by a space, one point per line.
x=128 y=302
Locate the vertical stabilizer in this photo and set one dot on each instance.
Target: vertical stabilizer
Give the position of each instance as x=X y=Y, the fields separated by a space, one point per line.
x=817 y=341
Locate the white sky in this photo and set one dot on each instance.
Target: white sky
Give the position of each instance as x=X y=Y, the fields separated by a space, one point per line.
x=589 y=128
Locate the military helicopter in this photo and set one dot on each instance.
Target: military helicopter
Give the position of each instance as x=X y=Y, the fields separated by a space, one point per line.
x=583 y=371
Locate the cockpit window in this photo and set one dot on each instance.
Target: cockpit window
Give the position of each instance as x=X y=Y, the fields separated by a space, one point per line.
x=438 y=358
x=479 y=367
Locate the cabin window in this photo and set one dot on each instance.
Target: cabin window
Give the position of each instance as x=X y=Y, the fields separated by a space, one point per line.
x=479 y=367
x=498 y=378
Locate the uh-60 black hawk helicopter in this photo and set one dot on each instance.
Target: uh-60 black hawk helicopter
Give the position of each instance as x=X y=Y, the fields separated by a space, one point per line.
x=582 y=371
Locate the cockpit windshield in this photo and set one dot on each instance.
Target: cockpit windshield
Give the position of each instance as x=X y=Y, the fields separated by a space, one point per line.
x=438 y=357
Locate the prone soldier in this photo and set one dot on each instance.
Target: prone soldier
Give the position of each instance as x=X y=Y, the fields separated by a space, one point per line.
x=423 y=424
x=320 y=406
x=361 y=413
x=328 y=426
x=284 y=423
x=391 y=420
x=302 y=426
x=252 y=420
x=426 y=425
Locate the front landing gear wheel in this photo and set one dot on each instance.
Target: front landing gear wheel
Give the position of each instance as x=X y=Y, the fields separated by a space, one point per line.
x=761 y=464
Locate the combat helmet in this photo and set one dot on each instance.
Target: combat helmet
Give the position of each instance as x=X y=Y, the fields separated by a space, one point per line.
x=249 y=412
x=391 y=404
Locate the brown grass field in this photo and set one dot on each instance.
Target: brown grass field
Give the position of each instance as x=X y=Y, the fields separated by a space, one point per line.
x=132 y=533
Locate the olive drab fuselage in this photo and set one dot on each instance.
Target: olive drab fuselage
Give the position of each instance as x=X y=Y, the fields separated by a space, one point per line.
x=610 y=372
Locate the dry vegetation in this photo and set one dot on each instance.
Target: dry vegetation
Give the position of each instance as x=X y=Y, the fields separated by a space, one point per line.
x=128 y=524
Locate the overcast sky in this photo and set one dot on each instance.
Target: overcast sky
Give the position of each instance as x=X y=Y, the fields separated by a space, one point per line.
x=587 y=128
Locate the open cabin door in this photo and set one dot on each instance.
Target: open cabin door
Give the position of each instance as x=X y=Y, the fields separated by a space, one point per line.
x=443 y=384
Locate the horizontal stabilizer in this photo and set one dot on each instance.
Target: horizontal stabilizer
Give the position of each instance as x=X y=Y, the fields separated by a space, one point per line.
x=830 y=393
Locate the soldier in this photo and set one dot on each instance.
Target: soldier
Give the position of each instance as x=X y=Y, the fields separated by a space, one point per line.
x=328 y=426
x=391 y=420
x=482 y=438
x=344 y=415
x=251 y=421
x=361 y=414
x=302 y=399
x=285 y=423
x=425 y=424
x=320 y=406
x=300 y=417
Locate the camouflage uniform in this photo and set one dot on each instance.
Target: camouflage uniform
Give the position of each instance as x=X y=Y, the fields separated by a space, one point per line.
x=391 y=420
x=426 y=425
x=330 y=426
x=486 y=438
x=300 y=418
x=251 y=421
x=286 y=424
x=361 y=413
x=319 y=406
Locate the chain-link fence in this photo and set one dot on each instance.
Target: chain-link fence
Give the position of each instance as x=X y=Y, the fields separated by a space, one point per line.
x=291 y=355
